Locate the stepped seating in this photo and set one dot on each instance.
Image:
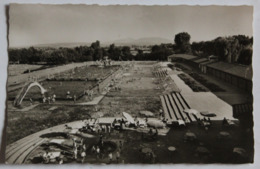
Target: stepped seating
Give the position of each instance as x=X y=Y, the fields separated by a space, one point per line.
x=173 y=105
x=160 y=73
x=19 y=153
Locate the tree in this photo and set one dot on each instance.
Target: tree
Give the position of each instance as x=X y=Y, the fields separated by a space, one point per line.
x=245 y=56
x=182 y=41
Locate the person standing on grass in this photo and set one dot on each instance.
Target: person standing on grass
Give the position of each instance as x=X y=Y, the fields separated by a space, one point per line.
x=74 y=98
x=31 y=101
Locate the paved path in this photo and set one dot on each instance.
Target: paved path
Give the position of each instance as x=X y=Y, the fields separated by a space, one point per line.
x=23 y=78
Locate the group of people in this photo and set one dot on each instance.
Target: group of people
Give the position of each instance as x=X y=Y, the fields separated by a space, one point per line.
x=205 y=122
x=98 y=150
x=50 y=99
x=79 y=149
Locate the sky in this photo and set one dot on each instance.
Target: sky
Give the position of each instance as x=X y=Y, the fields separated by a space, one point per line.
x=32 y=24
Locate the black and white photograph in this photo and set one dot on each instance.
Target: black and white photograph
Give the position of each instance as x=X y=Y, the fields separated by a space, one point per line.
x=129 y=84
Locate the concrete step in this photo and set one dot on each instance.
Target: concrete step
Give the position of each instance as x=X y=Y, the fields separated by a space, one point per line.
x=172 y=115
x=165 y=110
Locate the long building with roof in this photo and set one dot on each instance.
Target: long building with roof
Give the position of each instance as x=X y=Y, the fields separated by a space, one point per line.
x=235 y=74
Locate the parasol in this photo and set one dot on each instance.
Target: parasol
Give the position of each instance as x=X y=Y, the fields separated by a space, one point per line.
x=208 y=114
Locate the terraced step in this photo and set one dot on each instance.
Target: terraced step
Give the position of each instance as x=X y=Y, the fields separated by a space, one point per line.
x=175 y=108
x=21 y=150
x=194 y=116
x=171 y=112
x=179 y=107
x=185 y=106
x=165 y=110
x=15 y=147
x=26 y=153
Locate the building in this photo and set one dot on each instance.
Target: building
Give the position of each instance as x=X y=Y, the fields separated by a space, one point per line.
x=235 y=74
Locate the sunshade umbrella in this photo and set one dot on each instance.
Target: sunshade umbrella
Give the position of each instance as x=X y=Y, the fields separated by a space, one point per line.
x=146 y=150
x=202 y=150
x=208 y=114
x=171 y=148
x=191 y=111
x=147 y=113
x=181 y=122
x=224 y=133
x=155 y=123
x=129 y=118
x=190 y=134
x=240 y=151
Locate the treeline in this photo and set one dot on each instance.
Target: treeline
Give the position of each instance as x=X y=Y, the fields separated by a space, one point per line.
x=158 y=52
x=66 y=55
x=232 y=49
x=84 y=53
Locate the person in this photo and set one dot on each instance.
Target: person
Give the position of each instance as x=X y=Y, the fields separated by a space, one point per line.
x=83 y=155
x=98 y=152
x=44 y=99
x=31 y=101
x=93 y=149
x=117 y=156
x=110 y=156
x=49 y=100
x=53 y=98
x=74 y=98
x=75 y=153
x=156 y=132
x=101 y=138
x=209 y=120
x=68 y=94
x=109 y=130
x=120 y=145
x=45 y=157
x=150 y=132
x=224 y=122
x=60 y=161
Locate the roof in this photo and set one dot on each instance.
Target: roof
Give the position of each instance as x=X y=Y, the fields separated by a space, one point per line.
x=242 y=71
x=183 y=56
x=201 y=60
x=106 y=120
x=207 y=62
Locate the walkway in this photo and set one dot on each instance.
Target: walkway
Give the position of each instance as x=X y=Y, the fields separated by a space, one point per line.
x=204 y=101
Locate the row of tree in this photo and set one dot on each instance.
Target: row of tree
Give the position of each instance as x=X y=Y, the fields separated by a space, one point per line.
x=230 y=49
x=84 y=53
x=66 y=55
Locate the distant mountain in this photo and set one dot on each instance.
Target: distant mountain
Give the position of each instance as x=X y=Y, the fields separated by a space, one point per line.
x=120 y=42
x=65 y=45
